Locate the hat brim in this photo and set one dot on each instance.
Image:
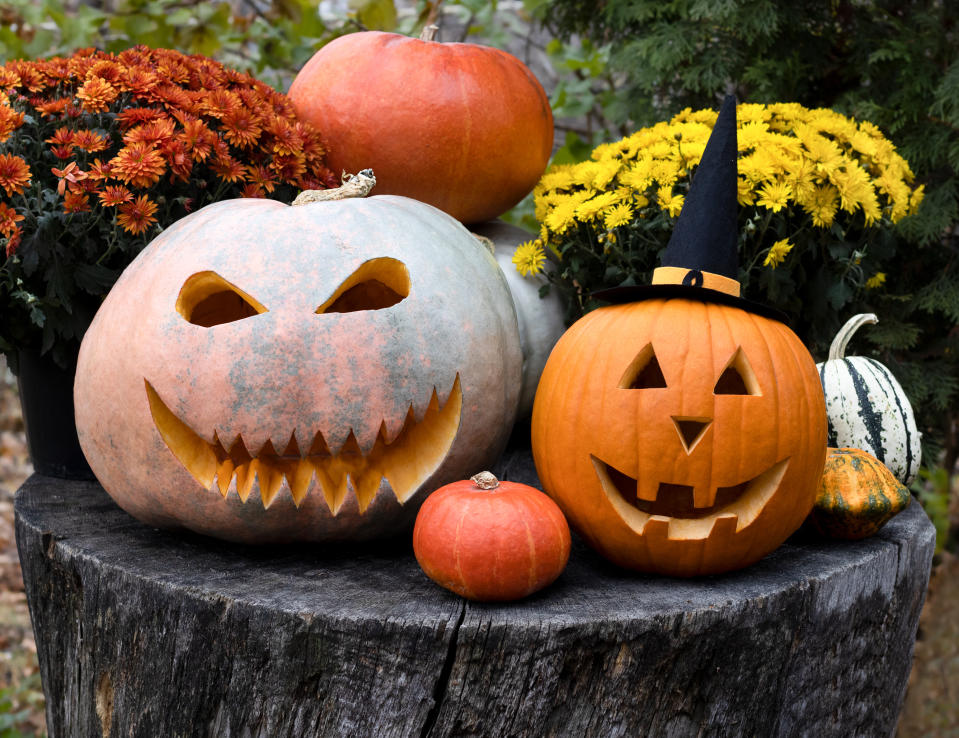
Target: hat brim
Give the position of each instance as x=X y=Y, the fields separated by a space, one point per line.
x=636 y=293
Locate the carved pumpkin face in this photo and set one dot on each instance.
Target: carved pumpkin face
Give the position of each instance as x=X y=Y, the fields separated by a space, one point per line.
x=680 y=437
x=265 y=372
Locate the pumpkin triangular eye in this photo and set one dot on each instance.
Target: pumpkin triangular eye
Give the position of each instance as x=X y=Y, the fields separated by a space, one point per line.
x=644 y=371
x=206 y=299
x=376 y=284
x=738 y=378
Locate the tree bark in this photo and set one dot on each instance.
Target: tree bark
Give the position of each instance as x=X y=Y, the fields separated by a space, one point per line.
x=142 y=632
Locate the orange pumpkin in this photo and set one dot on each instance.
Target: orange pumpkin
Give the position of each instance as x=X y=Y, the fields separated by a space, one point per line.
x=489 y=540
x=264 y=372
x=464 y=127
x=678 y=436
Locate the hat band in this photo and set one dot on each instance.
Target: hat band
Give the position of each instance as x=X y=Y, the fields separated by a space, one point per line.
x=696 y=278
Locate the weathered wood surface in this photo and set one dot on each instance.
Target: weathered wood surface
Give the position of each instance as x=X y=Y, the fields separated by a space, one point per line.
x=148 y=633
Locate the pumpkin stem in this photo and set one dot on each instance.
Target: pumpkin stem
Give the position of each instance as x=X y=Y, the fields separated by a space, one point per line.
x=837 y=349
x=358 y=185
x=487 y=242
x=485 y=480
x=429 y=32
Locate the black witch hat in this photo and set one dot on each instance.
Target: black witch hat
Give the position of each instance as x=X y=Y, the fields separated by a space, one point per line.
x=701 y=261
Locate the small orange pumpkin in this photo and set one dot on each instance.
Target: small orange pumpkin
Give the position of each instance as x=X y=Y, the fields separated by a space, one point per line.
x=463 y=127
x=489 y=540
x=857 y=496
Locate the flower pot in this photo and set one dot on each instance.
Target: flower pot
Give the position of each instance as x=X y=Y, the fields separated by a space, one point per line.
x=46 y=397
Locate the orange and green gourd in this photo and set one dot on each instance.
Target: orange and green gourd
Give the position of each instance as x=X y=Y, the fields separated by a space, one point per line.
x=857 y=496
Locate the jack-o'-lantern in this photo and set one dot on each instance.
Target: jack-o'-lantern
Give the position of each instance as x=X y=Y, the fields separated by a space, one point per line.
x=263 y=372
x=684 y=432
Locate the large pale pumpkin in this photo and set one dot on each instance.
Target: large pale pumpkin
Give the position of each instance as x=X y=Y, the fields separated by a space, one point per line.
x=678 y=436
x=464 y=127
x=541 y=319
x=264 y=372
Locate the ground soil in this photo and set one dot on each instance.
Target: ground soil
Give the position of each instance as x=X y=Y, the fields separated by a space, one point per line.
x=932 y=700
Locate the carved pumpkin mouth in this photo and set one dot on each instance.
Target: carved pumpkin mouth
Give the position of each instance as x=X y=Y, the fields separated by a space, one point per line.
x=305 y=462
x=674 y=506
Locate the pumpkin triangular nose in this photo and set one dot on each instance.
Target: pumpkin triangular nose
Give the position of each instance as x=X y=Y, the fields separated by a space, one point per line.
x=691 y=430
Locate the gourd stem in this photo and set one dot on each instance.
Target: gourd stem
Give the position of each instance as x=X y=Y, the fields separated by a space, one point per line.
x=358 y=185
x=837 y=349
x=485 y=480
x=429 y=32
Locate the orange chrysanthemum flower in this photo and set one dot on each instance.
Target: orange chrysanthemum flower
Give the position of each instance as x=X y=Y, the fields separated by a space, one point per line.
x=178 y=159
x=138 y=164
x=198 y=139
x=96 y=95
x=228 y=169
x=76 y=202
x=70 y=173
x=99 y=171
x=286 y=140
x=115 y=195
x=251 y=190
x=135 y=217
x=52 y=107
x=157 y=131
x=134 y=116
x=289 y=167
x=240 y=127
x=14 y=174
x=90 y=141
x=262 y=177
x=63 y=136
x=8 y=220
x=13 y=241
x=10 y=120
x=8 y=78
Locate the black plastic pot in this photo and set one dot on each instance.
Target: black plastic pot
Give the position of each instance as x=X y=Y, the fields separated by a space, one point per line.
x=46 y=397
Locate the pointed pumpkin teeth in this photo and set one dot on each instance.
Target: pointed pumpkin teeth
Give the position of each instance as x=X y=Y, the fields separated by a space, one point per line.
x=224 y=473
x=299 y=481
x=244 y=480
x=406 y=457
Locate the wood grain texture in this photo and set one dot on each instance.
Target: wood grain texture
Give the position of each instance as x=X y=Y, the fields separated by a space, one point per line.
x=142 y=632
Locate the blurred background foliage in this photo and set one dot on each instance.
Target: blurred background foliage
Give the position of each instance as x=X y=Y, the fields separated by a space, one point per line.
x=613 y=66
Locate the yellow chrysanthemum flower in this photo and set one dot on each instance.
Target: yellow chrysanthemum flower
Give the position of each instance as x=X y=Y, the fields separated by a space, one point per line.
x=876 y=280
x=619 y=215
x=672 y=204
x=775 y=195
x=777 y=253
x=529 y=257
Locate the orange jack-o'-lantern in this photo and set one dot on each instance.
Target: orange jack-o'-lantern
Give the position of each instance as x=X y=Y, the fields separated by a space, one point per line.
x=679 y=436
x=264 y=372
x=684 y=432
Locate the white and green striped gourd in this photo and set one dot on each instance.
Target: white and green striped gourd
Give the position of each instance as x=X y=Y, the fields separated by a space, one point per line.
x=867 y=408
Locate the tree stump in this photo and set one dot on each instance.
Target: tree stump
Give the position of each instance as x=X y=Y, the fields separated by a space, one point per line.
x=142 y=632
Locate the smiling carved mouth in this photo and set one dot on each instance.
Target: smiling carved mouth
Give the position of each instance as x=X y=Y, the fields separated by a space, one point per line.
x=304 y=462
x=674 y=506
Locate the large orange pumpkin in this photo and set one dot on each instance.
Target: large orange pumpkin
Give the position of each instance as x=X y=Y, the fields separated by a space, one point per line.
x=464 y=127
x=264 y=372
x=679 y=436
